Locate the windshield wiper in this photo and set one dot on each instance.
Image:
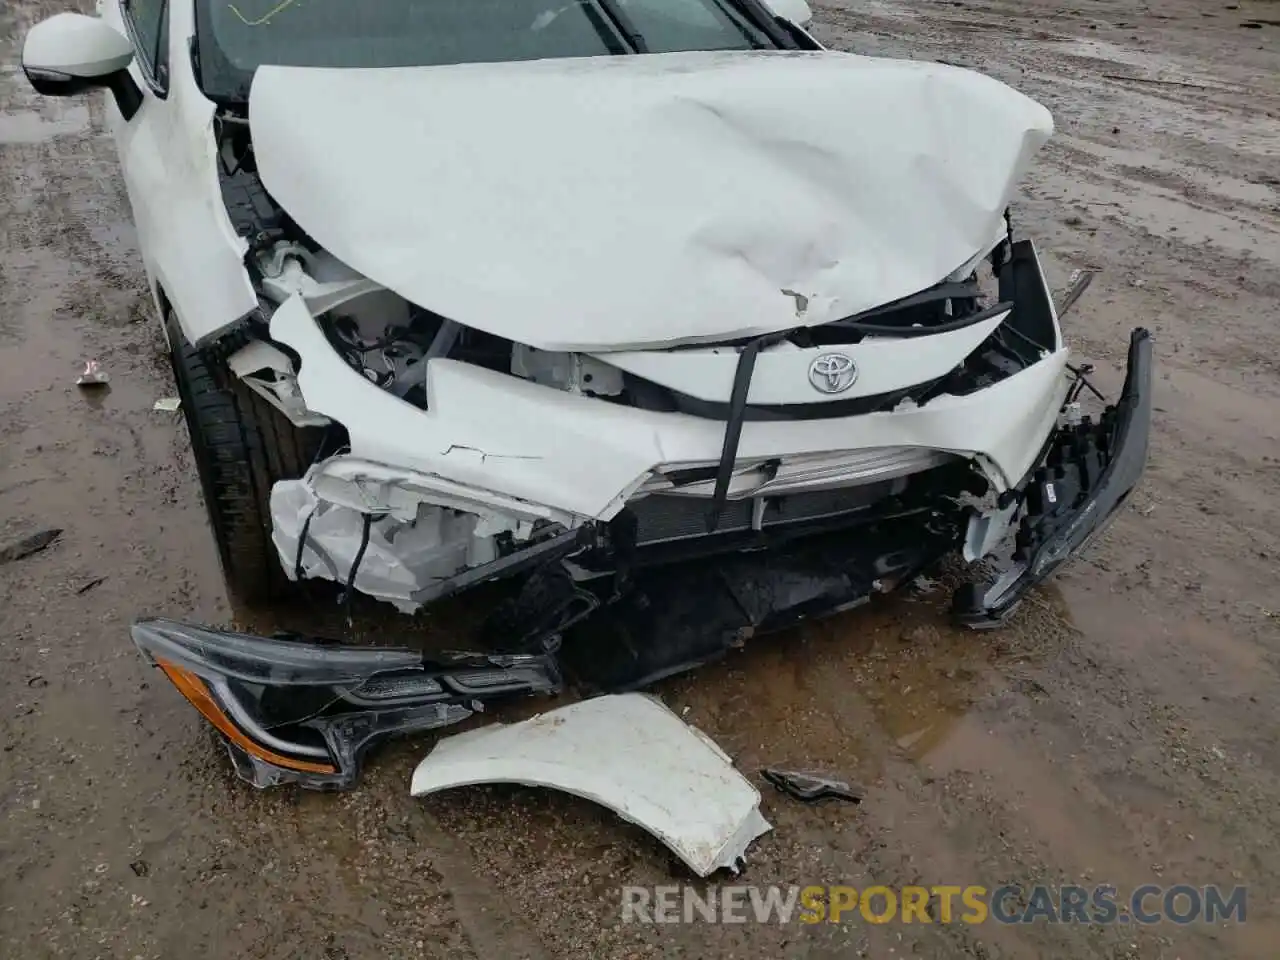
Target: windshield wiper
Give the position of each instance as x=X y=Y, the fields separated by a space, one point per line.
x=751 y=29
x=760 y=15
x=604 y=28
x=624 y=24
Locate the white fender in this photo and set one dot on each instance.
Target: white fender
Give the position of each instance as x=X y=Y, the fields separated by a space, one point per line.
x=626 y=752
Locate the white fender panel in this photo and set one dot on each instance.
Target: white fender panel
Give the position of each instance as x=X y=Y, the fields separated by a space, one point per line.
x=626 y=752
x=169 y=160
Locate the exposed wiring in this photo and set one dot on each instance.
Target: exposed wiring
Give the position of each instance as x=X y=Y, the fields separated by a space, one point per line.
x=1025 y=339
x=1081 y=372
x=1082 y=383
x=355 y=566
x=394 y=334
x=302 y=542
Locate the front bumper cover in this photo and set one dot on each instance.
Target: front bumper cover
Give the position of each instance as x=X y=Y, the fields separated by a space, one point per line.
x=1087 y=474
x=305 y=712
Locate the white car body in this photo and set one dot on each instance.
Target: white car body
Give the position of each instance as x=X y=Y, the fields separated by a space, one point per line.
x=616 y=218
x=582 y=319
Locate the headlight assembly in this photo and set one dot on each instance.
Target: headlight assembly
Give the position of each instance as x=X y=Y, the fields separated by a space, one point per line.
x=304 y=712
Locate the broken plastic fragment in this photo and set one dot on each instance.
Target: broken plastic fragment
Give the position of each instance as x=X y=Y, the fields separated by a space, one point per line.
x=33 y=543
x=92 y=375
x=167 y=404
x=627 y=752
x=810 y=787
x=1076 y=286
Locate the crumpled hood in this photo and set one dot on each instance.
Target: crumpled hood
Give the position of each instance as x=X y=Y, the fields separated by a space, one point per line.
x=638 y=201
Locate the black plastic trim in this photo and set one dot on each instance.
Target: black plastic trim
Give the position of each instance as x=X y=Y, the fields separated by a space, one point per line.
x=1126 y=439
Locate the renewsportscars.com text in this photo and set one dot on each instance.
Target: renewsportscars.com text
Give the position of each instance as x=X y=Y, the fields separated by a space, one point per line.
x=972 y=904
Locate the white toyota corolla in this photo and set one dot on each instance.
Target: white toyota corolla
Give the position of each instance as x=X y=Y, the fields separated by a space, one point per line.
x=681 y=324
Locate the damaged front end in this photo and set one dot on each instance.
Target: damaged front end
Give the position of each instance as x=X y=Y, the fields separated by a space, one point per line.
x=292 y=711
x=1068 y=499
x=802 y=411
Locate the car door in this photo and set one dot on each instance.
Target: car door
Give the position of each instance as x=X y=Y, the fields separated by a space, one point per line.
x=188 y=245
x=145 y=22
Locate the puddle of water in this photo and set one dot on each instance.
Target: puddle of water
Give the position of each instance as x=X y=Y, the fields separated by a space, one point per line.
x=32 y=127
x=843 y=694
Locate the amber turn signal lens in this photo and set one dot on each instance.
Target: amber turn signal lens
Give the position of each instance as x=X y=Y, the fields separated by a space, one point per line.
x=195 y=690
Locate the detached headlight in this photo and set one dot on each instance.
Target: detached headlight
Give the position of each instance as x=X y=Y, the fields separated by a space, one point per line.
x=306 y=713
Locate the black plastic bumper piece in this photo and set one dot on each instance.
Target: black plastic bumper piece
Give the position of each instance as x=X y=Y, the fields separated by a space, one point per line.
x=681 y=615
x=1086 y=477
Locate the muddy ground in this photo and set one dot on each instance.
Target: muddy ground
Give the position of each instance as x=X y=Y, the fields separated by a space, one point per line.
x=1123 y=730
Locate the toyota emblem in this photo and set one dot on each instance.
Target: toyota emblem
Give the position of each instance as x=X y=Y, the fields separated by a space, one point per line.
x=833 y=373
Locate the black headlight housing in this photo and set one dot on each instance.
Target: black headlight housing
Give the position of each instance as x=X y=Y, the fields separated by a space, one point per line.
x=300 y=711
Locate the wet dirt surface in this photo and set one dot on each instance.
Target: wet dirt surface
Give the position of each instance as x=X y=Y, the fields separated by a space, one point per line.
x=1124 y=730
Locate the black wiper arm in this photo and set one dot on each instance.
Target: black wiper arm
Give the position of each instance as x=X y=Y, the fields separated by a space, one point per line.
x=737 y=413
x=753 y=27
x=626 y=26
x=604 y=28
x=760 y=15
x=948 y=290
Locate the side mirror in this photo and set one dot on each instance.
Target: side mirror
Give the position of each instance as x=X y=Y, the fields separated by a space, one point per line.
x=70 y=53
x=797 y=11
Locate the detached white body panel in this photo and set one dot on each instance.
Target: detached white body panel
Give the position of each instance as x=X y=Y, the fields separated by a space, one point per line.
x=626 y=752
x=627 y=202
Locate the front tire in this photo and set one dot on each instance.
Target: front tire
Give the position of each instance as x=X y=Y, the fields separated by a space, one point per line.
x=242 y=445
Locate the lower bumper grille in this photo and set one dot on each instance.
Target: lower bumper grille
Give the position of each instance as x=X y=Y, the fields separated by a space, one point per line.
x=663 y=518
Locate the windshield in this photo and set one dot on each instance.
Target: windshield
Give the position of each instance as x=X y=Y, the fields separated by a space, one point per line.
x=236 y=36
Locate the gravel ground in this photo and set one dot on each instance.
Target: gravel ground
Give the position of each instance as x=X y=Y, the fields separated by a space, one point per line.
x=1122 y=730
